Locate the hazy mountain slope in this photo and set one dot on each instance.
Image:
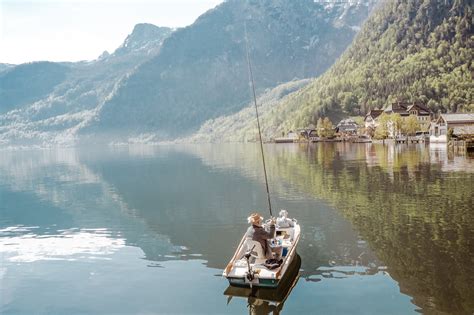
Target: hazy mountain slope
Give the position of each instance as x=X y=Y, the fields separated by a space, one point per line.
x=29 y=82
x=411 y=50
x=5 y=66
x=63 y=102
x=242 y=126
x=201 y=72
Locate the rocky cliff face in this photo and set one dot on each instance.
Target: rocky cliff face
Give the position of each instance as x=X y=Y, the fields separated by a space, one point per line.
x=144 y=39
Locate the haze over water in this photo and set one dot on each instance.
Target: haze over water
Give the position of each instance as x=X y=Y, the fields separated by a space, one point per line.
x=148 y=229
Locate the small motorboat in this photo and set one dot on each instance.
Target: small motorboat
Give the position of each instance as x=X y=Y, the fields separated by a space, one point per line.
x=249 y=267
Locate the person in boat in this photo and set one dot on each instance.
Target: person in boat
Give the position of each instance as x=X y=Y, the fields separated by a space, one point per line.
x=258 y=233
x=283 y=221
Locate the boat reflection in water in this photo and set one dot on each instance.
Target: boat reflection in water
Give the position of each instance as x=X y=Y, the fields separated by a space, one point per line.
x=268 y=300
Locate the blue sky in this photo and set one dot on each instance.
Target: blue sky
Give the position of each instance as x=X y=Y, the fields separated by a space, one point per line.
x=72 y=30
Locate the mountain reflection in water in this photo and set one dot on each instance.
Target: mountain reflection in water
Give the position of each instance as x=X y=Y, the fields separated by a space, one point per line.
x=400 y=212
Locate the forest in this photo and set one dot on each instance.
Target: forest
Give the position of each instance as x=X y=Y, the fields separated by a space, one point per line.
x=408 y=51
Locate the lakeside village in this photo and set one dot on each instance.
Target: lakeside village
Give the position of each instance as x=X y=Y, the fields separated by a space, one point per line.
x=400 y=122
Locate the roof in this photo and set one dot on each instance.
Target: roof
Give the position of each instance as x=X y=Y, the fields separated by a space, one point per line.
x=458 y=118
x=347 y=125
x=374 y=113
x=422 y=109
x=403 y=108
x=347 y=122
x=397 y=107
x=346 y=128
x=464 y=130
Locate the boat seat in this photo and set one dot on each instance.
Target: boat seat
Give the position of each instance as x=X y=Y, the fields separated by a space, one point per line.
x=257 y=250
x=289 y=231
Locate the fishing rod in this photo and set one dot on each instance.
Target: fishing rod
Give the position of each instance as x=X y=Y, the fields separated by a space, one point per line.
x=258 y=119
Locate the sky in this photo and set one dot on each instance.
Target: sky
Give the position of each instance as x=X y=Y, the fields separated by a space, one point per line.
x=73 y=30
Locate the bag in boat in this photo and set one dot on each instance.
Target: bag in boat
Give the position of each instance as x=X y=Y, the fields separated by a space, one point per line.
x=272 y=263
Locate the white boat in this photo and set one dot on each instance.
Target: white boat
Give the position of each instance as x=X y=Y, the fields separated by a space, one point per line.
x=247 y=267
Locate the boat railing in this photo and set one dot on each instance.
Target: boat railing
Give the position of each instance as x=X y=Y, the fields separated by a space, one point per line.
x=231 y=263
x=293 y=248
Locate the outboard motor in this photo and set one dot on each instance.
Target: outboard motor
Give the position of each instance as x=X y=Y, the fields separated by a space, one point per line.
x=250 y=274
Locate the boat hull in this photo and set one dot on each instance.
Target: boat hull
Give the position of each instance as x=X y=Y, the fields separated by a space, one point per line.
x=262 y=283
x=290 y=273
x=271 y=294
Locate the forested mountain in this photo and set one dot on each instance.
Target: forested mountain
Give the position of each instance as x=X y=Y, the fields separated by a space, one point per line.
x=48 y=103
x=201 y=71
x=407 y=50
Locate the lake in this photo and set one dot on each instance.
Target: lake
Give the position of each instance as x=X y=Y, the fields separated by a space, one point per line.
x=148 y=229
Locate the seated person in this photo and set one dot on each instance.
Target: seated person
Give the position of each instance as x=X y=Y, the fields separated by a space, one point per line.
x=258 y=233
x=283 y=221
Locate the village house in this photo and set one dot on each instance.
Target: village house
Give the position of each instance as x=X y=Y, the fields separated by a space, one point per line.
x=370 y=119
x=313 y=135
x=347 y=127
x=462 y=125
x=309 y=134
x=405 y=109
x=290 y=137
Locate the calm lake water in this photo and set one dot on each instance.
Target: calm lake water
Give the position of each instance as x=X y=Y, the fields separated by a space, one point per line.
x=148 y=229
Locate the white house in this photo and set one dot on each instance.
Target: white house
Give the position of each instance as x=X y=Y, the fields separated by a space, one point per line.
x=461 y=124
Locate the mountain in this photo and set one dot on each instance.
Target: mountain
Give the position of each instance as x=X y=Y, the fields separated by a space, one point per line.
x=29 y=82
x=414 y=51
x=201 y=70
x=144 y=39
x=48 y=103
x=162 y=83
x=407 y=50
